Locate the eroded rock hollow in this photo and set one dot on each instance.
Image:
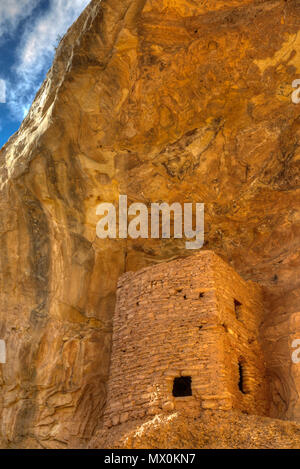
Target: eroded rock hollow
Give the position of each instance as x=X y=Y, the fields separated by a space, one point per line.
x=162 y=100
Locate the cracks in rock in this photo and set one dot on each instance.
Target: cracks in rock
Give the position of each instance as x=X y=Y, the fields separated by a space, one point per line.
x=183 y=157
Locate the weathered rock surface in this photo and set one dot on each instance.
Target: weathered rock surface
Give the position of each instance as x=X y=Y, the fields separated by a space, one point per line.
x=211 y=430
x=172 y=100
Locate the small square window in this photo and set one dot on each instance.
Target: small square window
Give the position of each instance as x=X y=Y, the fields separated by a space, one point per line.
x=182 y=386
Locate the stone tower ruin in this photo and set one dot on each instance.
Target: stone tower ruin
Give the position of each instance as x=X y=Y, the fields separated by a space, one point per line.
x=186 y=337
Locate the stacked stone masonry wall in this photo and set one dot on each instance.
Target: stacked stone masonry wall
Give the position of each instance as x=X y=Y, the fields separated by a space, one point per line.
x=192 y=317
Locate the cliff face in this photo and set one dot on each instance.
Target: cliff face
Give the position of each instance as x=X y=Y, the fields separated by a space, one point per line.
x=171 y=100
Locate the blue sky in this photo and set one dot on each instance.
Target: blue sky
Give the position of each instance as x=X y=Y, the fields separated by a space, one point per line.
x=29 y=31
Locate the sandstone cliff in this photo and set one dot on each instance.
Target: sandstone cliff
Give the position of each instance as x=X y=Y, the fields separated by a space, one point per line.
x=173 y=100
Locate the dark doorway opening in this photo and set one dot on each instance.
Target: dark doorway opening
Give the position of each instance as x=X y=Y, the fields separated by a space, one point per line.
x=242 y=377
x=182 y=386
x=238 y=309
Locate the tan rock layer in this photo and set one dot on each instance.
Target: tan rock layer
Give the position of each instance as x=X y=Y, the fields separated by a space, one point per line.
x=211 y=430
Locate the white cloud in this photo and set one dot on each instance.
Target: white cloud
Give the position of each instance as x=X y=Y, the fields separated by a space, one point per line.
x=2 y=91
x=36 y=51
x=12 y=12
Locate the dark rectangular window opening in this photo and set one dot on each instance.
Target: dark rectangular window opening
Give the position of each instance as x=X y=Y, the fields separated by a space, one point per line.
x=242 y=377
x=238 y=309
x=182 y=386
